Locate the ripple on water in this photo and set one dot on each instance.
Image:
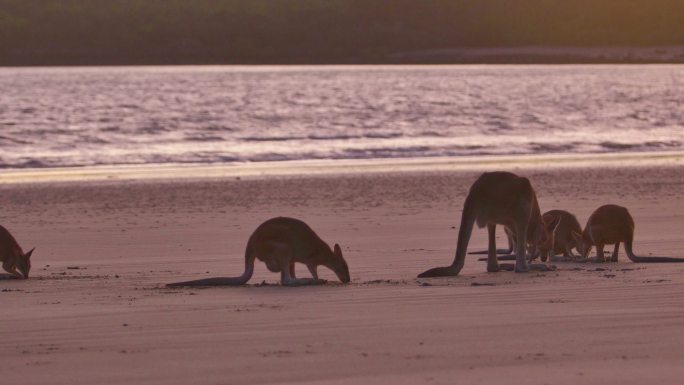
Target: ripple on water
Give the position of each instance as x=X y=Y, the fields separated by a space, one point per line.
x=65 y=116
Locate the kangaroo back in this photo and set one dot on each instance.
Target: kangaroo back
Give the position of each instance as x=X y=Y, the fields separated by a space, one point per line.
x=226 y=281
x=8 y=245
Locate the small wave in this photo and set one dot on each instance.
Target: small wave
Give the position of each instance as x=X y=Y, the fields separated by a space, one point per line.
x=433 y=134
x=498 y=125
x=321 y=137
x=214 y=128
x=89 y=139
x=46 y=133
x=271 y=138
x=474 y=147
x=203 y=138
x=34 y=163
x=227 y=158
x=551 y=147
x=30 y=163
x=389 y=135
x=271 y=157
x=348 y=137
x=386 y=152
x=6 y=140
x=659 y=144
x=332 y=137
x=152 y=129
x=655 y=144
x=617 y=146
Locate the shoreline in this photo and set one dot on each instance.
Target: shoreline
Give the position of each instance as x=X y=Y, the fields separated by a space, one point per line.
x=338 y=167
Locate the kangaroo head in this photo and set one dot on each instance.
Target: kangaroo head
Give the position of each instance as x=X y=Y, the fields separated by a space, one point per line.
x=339 y=265
x=24 y=263
x=583 y=244
x=547 y=235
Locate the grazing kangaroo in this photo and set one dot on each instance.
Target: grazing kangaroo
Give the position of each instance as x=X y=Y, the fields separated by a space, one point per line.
x=13 y=257
x=500 y=198
x=612 y=224
x=568 y=235
x=279 y=243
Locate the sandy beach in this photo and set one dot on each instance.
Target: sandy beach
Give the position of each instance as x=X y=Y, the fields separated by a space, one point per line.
x=96 y=310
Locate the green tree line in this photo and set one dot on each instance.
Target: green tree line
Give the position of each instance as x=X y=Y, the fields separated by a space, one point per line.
x=315 y=31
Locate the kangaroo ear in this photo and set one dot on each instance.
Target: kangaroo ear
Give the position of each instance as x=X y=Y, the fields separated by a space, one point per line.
x=338 y=250
x=28 y=255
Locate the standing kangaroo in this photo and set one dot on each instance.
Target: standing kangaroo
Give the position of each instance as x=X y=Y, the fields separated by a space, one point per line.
x=612 y=224
x=13 y=257
x=500 y=198
x=279 y=243
x=568 y=235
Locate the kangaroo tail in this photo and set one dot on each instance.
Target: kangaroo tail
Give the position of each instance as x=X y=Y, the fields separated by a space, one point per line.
x=464 y=232
x=224 y=281
x=637 y=259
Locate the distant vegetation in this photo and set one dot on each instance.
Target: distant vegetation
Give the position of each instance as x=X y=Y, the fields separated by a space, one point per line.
x=316 y=31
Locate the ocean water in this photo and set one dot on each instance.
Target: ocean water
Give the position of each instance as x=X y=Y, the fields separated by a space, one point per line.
x=52 y=117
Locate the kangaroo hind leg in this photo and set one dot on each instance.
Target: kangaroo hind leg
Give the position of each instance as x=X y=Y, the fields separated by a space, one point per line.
x=520 y=252
x=615 y=252
x=292 y=270
x=492 y=262
x=600 y=257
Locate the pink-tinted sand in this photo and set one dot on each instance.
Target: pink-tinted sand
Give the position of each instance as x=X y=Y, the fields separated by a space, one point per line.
x=96 y=311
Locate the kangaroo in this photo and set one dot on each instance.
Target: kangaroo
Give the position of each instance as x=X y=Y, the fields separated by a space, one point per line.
x=500 y=198
x=279 y=243
x=612 y=224
x=568 y=235
x=13 y=257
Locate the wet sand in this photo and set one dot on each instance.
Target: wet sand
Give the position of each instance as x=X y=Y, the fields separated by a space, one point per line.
x=96 y=309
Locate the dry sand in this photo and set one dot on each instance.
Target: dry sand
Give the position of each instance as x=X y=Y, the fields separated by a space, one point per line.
x=96 y=310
